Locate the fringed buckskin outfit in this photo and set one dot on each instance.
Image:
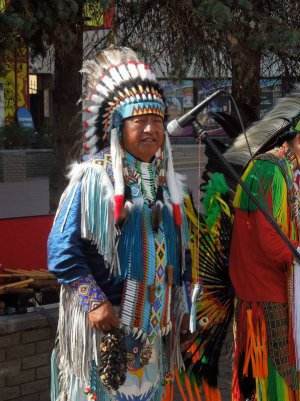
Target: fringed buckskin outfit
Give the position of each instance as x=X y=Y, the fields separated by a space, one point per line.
x=138 y=264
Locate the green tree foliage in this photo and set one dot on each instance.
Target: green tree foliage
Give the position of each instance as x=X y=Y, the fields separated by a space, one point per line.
x=40 y=23
x=242 y=38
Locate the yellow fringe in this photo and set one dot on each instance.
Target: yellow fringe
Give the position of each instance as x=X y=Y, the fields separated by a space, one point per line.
x=262 y=390
x=194 y=228
x=281 y=214
x=238 y=193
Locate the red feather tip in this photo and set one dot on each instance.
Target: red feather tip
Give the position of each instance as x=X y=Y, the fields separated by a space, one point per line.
x=177 y=214
x=119 y=204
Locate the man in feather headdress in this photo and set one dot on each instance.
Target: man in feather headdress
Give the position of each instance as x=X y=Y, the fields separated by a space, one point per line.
x=118 y=243
x=263 y=271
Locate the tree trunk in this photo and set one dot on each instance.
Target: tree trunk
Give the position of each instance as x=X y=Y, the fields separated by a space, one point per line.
x=246 y=79
x=67 y=120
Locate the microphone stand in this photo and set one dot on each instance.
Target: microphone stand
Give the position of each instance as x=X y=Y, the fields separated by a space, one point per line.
x=201 y=134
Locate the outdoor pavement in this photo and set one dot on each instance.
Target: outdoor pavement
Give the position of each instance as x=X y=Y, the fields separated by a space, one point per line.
x=31 y=198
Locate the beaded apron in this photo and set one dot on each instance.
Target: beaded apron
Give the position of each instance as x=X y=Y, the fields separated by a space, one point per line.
x=145 y=307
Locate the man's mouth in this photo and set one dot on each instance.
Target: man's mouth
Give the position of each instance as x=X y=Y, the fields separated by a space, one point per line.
x=148 y=140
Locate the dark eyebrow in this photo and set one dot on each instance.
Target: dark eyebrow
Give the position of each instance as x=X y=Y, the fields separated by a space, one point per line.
x=142 y=116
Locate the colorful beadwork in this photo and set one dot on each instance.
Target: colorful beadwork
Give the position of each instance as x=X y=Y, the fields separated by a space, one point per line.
x=88 y=292
x=138 y=310
x=90 y=393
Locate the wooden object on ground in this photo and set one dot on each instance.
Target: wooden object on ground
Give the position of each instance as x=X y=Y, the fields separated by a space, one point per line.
x=17 y=284
x=35 y=279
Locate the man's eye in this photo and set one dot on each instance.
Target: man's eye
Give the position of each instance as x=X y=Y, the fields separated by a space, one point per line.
x=139 y=122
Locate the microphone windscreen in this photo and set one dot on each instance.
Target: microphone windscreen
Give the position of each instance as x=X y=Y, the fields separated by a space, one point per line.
x=173 y=128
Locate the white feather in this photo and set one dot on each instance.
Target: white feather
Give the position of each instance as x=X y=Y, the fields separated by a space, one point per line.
x=124 y=72
x=91 y=121
x=92 y=109
x=92 y=141
x=115 y=75
x=261 y=131
x=142 y=71
x=102 y=90
x=93 y=151
x=90 y=132
x=108 y=82
x=96 y=98
x=175 y=194
x=133 y=70
x=181 y=185
x=75 y=172
x=117 y=162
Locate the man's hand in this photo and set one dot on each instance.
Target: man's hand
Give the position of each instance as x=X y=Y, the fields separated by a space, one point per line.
x=104 y=317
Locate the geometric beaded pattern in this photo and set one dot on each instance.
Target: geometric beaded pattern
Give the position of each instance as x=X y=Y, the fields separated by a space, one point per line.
x=88 y=292
x=158 y=306
x=136 y=310
x=103 y=158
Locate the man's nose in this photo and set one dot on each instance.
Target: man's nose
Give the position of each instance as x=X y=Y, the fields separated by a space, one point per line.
x=149 y=126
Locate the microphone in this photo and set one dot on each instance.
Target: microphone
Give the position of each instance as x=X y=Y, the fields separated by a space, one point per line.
x=175 y=126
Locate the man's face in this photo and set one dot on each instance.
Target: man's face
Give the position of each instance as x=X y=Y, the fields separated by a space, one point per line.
x=143 y=136
x=295 y=146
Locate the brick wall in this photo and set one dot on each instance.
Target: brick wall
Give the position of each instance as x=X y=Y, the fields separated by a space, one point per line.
x=17 y=165
x=38 y=162
x=26 y=342
x=12 y=165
